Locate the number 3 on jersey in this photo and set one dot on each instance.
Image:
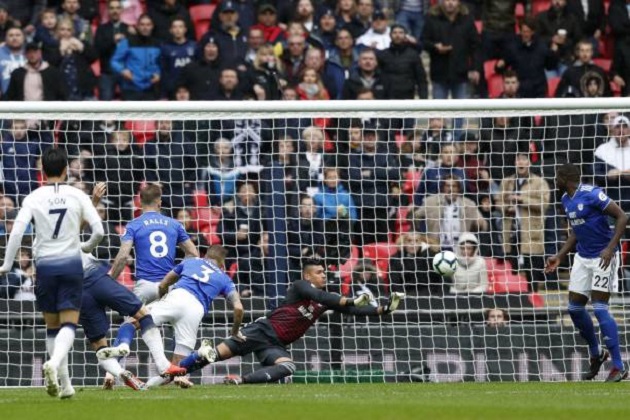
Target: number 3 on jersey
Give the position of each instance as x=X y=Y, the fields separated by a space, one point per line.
x=159 y=247
x=206 y=272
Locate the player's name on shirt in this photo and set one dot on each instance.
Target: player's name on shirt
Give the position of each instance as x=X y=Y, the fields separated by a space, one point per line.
x=149 y=222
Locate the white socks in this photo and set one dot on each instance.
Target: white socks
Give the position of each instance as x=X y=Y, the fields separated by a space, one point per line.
x=112 y=366
x=62 y=371
x=62 y=345
x=153 y=340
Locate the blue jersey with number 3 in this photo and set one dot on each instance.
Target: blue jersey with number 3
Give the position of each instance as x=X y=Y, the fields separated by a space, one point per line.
x=585 y=212
x=204 y=280
x=155 y=238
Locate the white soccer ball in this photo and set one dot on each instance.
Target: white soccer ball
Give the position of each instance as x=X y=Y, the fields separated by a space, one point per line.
x=445 y=263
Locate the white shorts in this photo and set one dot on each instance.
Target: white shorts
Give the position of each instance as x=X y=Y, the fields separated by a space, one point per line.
x=184 y=312
x=146 y=290
x=587 y=276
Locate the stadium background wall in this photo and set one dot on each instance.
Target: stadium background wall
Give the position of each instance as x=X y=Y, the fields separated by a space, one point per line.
x=370 y=353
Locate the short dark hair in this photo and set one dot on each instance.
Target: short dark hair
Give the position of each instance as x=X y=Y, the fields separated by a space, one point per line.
x=508 y=74
x=54 y=162
x=530 y=22
x=311 y=262
x=217 y=253
x=570 y=172
x=149 y=194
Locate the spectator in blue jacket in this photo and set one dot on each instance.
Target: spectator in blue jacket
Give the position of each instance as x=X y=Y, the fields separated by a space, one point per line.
x=11 y=56
x=19 y=159
x=333 y=200
x=176 y=54
x=137 y=61
x=431 y=178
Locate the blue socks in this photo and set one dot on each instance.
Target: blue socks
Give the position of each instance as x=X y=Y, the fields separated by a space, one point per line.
x=193 y=362
x=125 y=334
x=609 y=332
x=146 y=323
x=583 y=322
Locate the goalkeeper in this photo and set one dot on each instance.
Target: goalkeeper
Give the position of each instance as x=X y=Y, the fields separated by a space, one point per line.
x=268 y=337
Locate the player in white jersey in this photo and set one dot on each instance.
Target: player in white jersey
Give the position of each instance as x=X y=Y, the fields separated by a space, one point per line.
x=57 y=211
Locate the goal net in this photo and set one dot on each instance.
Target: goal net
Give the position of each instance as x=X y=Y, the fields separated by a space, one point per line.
x=373 y=188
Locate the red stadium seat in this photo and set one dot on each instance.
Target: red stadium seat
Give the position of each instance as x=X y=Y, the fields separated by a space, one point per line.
x=479 y=26
x=203 y=217
x=412 y=180
x=552 y=86
x=488 y=68
x=539 y=6
x=232 y=270
x=501 y=279
x=142 y=131
x=604 y=63
x=402 y=224
x=201 y=15
x=519 y=11
x=200 y=199
x=380 y=253
x=495 y=85
x=126 y=278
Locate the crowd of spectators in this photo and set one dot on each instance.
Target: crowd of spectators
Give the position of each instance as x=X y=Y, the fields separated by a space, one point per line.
x=482 y=188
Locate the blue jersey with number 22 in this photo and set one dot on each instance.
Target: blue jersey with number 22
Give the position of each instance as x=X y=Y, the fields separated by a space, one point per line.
x=585 y=211
x=155 y=238
x=204 y=280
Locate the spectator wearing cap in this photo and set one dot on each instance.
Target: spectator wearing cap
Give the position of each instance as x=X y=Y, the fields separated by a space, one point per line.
x=200 y=77
x=523 y=201
x=377 y=36
x=267 y=21
x=137 y=62
x=26 y=12
x=108 y=35
x=231 y=39
x=373 y=174
x=401 y=68
x=246 y=10
x=612 y=162
x=11 y=56
x=6 y=21
x=175 y=55
x=163 y=15
x=325 y=29
x=20 y=150
x=367 y=75
x=453 y=43
x=37 y=80
x=82 y=27
x=411 y=14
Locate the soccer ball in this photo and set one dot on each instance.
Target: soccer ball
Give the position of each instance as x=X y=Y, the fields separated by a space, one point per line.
x=445 y=263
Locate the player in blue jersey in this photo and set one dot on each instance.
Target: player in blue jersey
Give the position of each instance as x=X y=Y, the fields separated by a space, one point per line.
x=595 y=269
x=197 y=282
x=155 y=239
x=100 y=292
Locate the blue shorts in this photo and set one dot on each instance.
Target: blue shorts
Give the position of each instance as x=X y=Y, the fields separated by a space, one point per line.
x=59 y=284
x=101 y=292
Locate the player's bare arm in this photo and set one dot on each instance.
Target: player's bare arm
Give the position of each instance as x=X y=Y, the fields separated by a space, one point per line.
x=121 y=259
x=189 y=249
x=235 y=301
x=169 y=280
x=554 y=261
x=621 y=220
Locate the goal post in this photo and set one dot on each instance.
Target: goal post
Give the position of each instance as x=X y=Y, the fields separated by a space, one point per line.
x=373 y=188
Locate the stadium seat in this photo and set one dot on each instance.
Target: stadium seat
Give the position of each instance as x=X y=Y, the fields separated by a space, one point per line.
x=203 y=217
x=519 y=12
x=200 y=199
x=479 y=26
x=495 y=85
x=402 y=224
x=488 y=68
x=412 y=180
x=126 y=278
x=552 y=86
x=345 y=271
x=501 y=279
x=539 y=6
x=142 y=131
x=201 y=15
x=232 y=270
x=604 y=63
x=380 y=253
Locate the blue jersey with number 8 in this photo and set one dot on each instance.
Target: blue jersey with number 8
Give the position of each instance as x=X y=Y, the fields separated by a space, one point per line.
x=204 y=280
x=155 y=238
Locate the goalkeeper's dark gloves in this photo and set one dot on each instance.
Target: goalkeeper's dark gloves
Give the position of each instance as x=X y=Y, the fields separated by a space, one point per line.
x=393 y=302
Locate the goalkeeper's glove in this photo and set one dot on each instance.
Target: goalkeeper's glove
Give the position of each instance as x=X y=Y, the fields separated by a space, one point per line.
x=393 y=302
x=362 y=300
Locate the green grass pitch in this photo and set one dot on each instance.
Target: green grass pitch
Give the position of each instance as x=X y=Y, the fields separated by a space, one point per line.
x=330 y=402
